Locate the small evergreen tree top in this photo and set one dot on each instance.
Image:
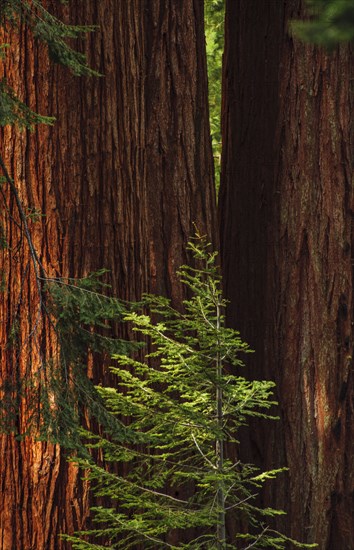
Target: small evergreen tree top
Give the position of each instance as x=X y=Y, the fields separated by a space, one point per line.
x=172 y=481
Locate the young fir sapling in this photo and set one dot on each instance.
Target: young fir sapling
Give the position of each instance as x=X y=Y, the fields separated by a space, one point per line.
x=169 y=474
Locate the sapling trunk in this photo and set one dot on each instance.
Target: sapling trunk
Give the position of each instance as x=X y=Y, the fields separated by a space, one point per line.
x=221 y=532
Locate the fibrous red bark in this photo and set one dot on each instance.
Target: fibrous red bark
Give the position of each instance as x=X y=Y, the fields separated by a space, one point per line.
x=119 y=179
x=286 y=210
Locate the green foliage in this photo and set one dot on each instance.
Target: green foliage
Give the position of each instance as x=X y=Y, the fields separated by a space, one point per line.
x=85 y=321
x=80 y=308
x=14 y=111
x=214 y=34
x=50 y=31
x=171 y=472
x=59 y=396
x=332 y=22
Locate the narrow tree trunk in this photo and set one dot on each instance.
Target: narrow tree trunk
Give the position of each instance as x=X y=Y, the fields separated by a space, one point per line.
x=119 y=179
x=286 y=210
x=221 y=527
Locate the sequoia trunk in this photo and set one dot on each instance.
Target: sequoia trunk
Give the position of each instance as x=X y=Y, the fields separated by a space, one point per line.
x=286 y=210
x=117 y=183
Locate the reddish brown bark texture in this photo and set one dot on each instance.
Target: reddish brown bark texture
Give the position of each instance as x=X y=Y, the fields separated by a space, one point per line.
x=120 y=178
x=287 y=231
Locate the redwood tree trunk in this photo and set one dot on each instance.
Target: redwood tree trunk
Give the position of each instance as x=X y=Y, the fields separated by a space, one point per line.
x=119 y=179
x=286 y=209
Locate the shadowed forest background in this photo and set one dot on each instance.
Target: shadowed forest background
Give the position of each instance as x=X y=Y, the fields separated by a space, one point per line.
x=149 y=142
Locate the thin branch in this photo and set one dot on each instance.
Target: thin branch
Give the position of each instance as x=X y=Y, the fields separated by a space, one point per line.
x=256 y=540
x=8 y=210
x=203 y=314
x=203 y=455
x=39 y=271
x=151 y=491
x=145 y=535
x=38 y=267
x=240 y=502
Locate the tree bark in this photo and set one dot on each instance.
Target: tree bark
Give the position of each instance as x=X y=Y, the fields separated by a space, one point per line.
x=120 y=179
x=286 y=210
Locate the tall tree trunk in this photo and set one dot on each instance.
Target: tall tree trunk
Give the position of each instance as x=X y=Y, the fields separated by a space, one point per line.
x=286 y=208
x=119 y=179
